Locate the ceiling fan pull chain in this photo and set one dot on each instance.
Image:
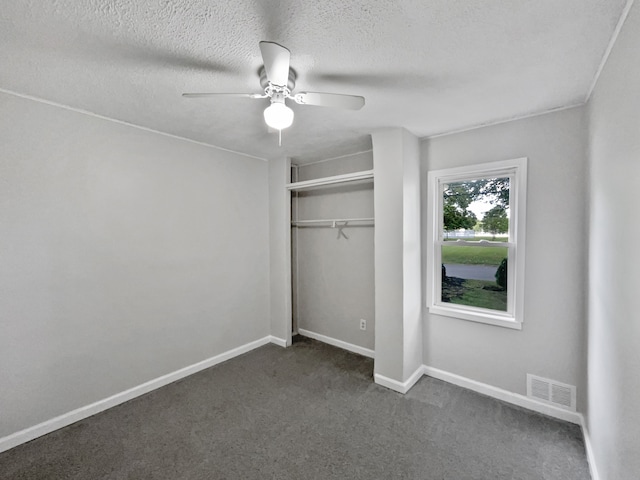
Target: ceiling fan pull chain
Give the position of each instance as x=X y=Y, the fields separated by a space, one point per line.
x=279 y=138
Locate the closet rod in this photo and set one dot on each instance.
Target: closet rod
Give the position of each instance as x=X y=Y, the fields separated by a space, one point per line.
x=331 y=221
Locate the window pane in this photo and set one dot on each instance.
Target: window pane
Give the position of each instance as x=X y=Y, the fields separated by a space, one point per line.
x=475 y=276
x=476 y=209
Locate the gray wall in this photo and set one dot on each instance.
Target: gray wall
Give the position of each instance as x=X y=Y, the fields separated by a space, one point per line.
x=552 y=338
x=396 y=160
x=614 y=302
x=280 y=281
x=334 y=280
x=124 y=255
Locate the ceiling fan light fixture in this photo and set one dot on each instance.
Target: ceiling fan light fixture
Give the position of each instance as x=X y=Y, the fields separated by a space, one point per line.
x=278 y=116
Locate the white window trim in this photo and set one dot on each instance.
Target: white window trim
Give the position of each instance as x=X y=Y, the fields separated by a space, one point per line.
x=516 y=169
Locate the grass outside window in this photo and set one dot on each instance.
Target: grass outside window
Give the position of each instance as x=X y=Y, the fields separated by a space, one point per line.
x=484 y=293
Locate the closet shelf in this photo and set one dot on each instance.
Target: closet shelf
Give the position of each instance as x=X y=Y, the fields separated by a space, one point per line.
x=359 y=177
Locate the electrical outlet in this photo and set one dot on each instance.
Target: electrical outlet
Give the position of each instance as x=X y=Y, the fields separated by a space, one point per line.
x=363 y=324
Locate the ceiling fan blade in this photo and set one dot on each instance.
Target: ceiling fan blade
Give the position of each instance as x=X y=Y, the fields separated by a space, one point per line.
x=241 y=95
x=276 y=62
x=349 y=102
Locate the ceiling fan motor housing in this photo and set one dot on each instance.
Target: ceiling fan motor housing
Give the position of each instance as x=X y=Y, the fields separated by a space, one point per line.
x=264 y=81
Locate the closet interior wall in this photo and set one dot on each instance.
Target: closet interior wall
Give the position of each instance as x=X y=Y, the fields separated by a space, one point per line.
x=333 y=276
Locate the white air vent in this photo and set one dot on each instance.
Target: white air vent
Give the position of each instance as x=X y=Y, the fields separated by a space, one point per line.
x=552 y=392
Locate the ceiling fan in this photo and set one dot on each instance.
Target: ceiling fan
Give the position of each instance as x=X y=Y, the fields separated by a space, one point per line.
x=278 y=80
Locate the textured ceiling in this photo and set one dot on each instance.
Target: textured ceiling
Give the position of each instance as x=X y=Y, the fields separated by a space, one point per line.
x=429 y=66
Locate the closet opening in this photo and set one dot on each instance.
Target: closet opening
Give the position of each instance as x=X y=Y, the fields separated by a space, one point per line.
x=332 y=250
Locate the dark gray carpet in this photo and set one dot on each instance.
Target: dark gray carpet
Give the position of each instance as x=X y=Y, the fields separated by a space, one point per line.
x=307 y=412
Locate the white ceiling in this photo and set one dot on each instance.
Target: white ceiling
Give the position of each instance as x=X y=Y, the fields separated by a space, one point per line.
x=430 y=66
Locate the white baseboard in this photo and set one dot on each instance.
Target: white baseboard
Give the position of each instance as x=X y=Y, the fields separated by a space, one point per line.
x=81 y=413
x=591 y=459
x=338 y=343
x=504 y=395
x=401 y=387
x=281 y=342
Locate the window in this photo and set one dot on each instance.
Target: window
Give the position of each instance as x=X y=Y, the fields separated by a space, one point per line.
x=475 y=242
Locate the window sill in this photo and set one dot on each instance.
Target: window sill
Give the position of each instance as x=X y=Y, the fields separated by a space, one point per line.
x=476 y=316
